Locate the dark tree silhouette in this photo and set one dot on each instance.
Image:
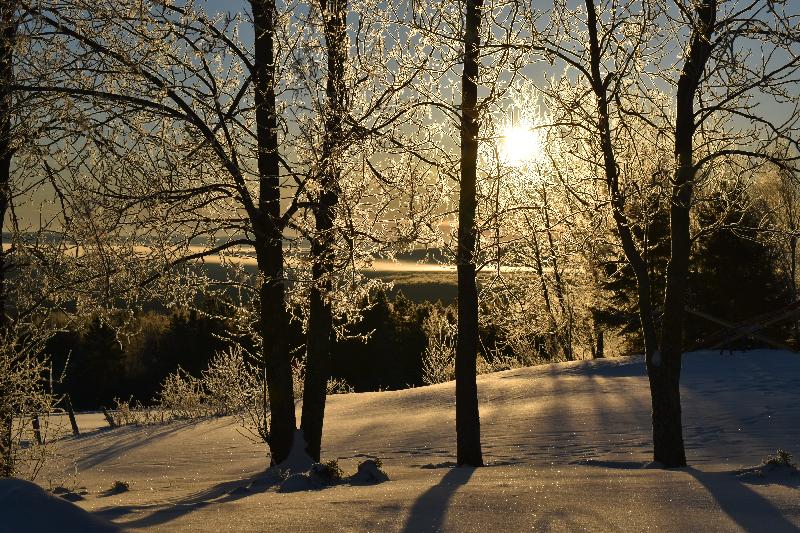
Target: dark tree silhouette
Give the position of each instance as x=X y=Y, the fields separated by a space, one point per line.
x=7 y=33
x=468 y=425
x=268 y=232
x=320 y=317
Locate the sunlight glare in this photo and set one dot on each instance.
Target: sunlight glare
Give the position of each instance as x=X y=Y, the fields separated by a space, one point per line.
x=520 y=144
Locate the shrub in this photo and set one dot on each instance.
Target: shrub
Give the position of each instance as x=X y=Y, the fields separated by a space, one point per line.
x=338 y=386
x=130 y=412
x=329 y=472
x=438 y=361
x=229 y=382
x=24 y=380
x=183 y=395
x=781 y=458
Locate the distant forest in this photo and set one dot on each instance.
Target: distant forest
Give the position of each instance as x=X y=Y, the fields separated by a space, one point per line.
x=739 y=271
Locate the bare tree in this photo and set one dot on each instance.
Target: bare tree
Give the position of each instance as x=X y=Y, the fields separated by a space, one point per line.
x=473 y=45
x=161 y=81
x=195 y=132
x=713 y=121
x=468 y=429
x=7 y=32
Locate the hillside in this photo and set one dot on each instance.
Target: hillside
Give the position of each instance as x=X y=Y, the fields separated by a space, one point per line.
x=567 y=445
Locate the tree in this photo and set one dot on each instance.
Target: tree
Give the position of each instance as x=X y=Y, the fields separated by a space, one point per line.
x=472 y=45
x=40 y=271
x=736 y=271
x=152 y=79
x=713 y=121
x=196 y=119
x=7 y=31
x=468 y=429
x=320 y=316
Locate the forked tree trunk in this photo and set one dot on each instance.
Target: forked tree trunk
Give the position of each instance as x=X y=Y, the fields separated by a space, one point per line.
x=7 y=34
x=468 y=425
x=320 y=322
x=274 y=323
x=665 y=371
x=664 y=379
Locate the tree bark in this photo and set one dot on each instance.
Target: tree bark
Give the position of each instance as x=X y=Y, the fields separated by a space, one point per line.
x=663 y=367
x=468 y=425
x=793 y=267
x=320 y=323
x=665 y=370
x=268 y=231
x=7 y=34
x=632 y=254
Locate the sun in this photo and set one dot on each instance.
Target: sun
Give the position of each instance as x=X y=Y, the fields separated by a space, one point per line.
x=520 y=145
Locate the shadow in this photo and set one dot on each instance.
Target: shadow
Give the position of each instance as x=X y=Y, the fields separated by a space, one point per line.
x=430 y=509
x=224 y=492
x=747 y=508
x=620 y=465
x=445 y=464
x=128 y=439
x=785 y=475
x=616 y=367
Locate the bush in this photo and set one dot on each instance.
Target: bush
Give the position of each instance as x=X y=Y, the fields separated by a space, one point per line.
x=338 y=386
x=229 y=382
x=24 y=380
x=183 y=395
x=781 y=458
x=130 y=412
x=438 y=361
x=329 y=472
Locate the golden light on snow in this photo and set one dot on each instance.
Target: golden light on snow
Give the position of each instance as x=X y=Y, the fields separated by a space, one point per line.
x=520 y=144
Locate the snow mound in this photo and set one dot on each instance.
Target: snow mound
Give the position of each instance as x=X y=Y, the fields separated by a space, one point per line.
x=369 y=473
x=298 y=460
x=318 y=476
x=25 y=506
x=298 y=483
x=771 y=473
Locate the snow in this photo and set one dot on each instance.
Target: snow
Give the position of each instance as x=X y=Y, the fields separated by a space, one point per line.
x=566 y=444
x=25 y=506
x=298 y=460
x=369 y=473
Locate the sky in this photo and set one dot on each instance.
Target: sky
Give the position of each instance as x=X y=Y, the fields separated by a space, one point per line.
x=770 y=110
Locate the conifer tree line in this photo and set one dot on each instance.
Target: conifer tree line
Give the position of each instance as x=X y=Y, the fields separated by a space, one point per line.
x=288 y=144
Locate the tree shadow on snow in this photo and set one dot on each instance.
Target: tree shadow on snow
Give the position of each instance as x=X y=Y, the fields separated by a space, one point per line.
x=430 y=509
x=224 y=492
x=623 y=465
x=750 y=510
x=125 y=439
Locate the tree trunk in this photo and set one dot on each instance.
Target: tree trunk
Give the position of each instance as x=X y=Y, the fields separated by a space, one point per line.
x=793 y=280
x=468 y=425
x=599 y=351
x=320 y=323
x=665 y=371
x=565 y=332
x=632 y=254
x=318 y=349
x=7 y=34
x=537 y=256
x=274 y=323
x=793 y=261
x=71 y=413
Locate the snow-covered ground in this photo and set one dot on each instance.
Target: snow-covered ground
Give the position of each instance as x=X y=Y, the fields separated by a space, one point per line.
x=565 y=444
